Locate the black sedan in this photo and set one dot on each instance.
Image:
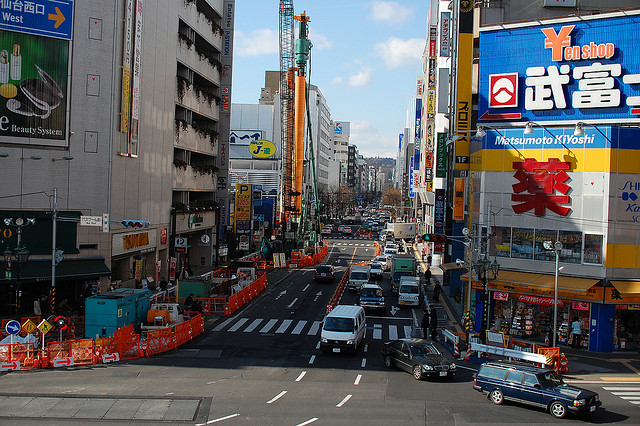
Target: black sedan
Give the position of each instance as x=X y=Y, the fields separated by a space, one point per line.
x=324 y=273
x=418 y=357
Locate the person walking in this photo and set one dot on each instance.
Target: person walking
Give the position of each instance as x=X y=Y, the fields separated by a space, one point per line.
x=433 y=323
x=427 y=276
x=437 y=288
x=424 y=324
x=576 y=333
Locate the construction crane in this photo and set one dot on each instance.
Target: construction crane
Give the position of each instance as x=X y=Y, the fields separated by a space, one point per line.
x=287 y=70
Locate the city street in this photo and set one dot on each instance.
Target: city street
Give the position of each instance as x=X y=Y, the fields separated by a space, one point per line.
x=263 y=366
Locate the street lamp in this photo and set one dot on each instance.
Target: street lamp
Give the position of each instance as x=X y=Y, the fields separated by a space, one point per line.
x=482 y=266
x=557 y=248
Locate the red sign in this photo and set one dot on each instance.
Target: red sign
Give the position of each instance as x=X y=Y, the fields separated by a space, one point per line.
x=163 y=236
x=581 y=306
x=546 y=301
x=501 y=295
x=7 y=366
x=503 y=90
x=110 y=358
x=540 y=180
x=63 y=362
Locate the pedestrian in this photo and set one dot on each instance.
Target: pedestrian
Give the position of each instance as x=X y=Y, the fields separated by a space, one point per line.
x=163 y=284
x=424 y=324
x=576 y=333
x=188 y=302
x=427 y=276
x=429 y=259
x=36 y=307
x=437 y=288
x=433 y=323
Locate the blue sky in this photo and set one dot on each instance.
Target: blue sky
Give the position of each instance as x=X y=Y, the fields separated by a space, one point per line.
x=365 y=59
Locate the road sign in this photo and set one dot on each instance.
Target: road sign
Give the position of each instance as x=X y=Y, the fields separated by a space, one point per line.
x=107 y=358
x=29 y=326
x=39 y=17
x=7 y=366
x=260 y=217
x=12 y=327
x=63 y=362
x=91 y=221
x=45 y=326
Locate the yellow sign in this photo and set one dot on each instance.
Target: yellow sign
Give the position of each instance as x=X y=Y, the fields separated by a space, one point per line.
x=45 y=326
x=28 y=326
x=458 y=199
x=262 y=148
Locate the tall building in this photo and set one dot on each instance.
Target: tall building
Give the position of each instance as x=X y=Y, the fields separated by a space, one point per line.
x=135 y=128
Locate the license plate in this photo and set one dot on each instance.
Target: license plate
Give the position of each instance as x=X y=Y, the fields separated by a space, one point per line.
x=402 y=303
x=592 y=408
x=443 y=373
x=322 y=274
x=336 y=349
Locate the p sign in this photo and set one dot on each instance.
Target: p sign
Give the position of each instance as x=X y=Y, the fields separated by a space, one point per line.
x=503 y=90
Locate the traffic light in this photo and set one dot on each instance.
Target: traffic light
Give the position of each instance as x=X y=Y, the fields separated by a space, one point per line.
x=135 y=223
x=58 y=256
x=435 y=238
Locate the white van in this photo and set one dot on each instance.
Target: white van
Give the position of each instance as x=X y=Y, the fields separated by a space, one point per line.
x=358 y=275
x=343 y=329
x=409 y=291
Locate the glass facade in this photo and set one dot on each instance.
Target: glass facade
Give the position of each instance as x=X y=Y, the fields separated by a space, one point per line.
x=522 y=243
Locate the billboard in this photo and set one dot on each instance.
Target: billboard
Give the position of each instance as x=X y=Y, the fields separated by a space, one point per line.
x=582 y=69
x=464 y=77
x=242 y=209
x=35 y=48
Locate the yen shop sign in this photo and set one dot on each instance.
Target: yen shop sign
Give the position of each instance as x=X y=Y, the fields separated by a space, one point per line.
x=262 y=149
x=503 y=90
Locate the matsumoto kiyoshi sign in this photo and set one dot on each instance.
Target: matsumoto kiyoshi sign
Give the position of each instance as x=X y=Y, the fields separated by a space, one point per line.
x=587 y=69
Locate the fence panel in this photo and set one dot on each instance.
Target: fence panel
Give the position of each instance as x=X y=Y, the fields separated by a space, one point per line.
x=82 y=351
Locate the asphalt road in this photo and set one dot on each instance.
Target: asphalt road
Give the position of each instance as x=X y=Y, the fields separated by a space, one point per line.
x=262 y=366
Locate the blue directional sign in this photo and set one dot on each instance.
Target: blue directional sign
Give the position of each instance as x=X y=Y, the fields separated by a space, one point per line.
x=261 y=217
x=13 y=327
x=50 y=18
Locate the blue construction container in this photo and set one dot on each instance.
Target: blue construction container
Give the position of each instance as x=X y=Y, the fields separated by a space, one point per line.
x=107 y=312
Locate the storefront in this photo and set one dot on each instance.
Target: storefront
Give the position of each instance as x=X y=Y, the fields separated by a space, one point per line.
x=626 y=296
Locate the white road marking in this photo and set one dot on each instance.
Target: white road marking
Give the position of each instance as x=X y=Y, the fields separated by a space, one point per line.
x=318 y=345
x=357 y=382
x=314 y=329
x=313 y=358
x=366 y=348
x=466 y=368
x=269 y=326
x=407 y=331
x=290 y=305
x=308 y=422
x=299 y=327
x=239 y=324
x=277 y=397
x=223 y=324
x=364 y=362
x=344 y=401
x=377 y=334
x=282 y=293
x=301 y=376
x=283 y=327
x=230 y=416
x=253 y=325
x=393 y=332
x=603 y=382
x=629 y=397
x=394 y=309
x=306 y=287
x=615 y=388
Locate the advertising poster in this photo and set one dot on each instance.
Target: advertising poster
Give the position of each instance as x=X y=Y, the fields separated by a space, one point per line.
x=34 y=70
x=242 y=211
x=458 y=199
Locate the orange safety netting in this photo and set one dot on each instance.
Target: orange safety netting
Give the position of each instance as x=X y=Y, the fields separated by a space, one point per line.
x=20 y=352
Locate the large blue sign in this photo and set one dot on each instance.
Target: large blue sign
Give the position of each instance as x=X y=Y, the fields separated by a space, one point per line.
x=583 y=70
x=50 y=18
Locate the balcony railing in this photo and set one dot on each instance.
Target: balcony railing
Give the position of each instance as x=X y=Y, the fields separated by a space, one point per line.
x=188 y=179
x=201 y=65
x=196 y=100
x=190 y=139
x=201 y=24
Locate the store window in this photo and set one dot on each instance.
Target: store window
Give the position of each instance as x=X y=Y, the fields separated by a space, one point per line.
x=501 y=241
x=571 y=246
x=543 y=235
x=593 y=249
x=522 y=243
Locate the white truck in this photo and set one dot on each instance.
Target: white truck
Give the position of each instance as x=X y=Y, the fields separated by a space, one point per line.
x=162 y=315
x=358 y=275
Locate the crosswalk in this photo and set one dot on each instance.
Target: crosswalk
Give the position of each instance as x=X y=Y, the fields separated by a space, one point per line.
x=376 y=331
x=627 y=392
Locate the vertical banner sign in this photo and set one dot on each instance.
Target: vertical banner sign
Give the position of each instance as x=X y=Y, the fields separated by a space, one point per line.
x=433 y=41
x=35 y=70
x=138 y=270
x=224 y=126
x=438 y=213
x=412 y=194
x=418 y=133
x=458 y=199
x=445 y=27
x=463 y=85
x=125 y=107
x=242 y=209
x=441 y=156
x=419 y=87
x=135 y=87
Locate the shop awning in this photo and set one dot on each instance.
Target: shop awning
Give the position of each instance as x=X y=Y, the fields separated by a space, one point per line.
x=545 y=281
x=627 y=287
x=451 y=266
x=67 y=269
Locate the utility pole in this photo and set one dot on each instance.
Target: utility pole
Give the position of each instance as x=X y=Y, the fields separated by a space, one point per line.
x=54 y=222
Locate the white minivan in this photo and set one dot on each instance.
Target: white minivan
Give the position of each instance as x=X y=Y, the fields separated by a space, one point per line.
x=343 y=329
x=409 y=291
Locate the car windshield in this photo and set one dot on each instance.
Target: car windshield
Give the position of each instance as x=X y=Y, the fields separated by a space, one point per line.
x=550 y=379
x=371 y=292
x=374 y=265
x=409 y=289
x=324 y=269
x=361 y=276
x=338 y=324
x=421 y=350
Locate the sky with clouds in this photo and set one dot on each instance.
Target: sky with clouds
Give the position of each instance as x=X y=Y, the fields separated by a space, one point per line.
x=365 y=59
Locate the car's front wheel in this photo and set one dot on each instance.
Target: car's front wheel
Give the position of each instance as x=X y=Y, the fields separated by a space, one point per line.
x=387 y=361
x=558 y=409
x=417 y=372
x=496 y=396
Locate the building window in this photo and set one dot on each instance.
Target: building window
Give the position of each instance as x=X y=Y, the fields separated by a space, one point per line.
x=502 y=241
x=522 y=243
x=571 y=246
x=543 y=235
x=593 y=249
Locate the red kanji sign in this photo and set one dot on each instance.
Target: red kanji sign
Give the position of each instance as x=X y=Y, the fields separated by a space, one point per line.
x=540 y=180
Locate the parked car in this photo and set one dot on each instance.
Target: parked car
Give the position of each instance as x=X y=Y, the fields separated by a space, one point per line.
x=375 y=271
x=418 y=357
x=326 y=230
x=324 y=273
x=382 y=260
x=532 y=385
x=372 y=298
x=340 y=228
x=347 y=230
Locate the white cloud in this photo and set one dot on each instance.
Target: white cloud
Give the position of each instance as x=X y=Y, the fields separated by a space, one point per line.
x=336 y=81
x=390 y=12
x=256 y=43
x=396 y=52
x=363 y=78
x=370 y=140
x=320 y=41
